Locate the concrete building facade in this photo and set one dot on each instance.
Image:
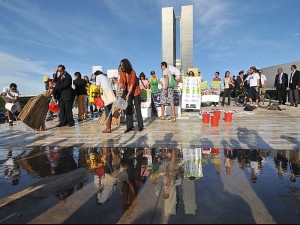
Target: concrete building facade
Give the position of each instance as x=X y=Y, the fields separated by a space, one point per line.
x=186 y=37
x=168 y=35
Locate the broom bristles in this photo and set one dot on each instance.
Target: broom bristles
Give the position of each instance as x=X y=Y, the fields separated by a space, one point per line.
x=35 y=111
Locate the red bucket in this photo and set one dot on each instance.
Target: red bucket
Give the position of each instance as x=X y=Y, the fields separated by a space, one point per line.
x=217 y=113
x=214 y=121
x=205 y=117
x=53 y=107
x=228 y=116
x=99 y=102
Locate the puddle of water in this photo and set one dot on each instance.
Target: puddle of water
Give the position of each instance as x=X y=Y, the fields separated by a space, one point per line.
x=153 y=185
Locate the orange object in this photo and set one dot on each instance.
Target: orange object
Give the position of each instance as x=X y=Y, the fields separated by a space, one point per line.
x=215 y=121
x=228 y=116
x=53 y=107
x=217 y=113
x=205 y=117
x=99 y=102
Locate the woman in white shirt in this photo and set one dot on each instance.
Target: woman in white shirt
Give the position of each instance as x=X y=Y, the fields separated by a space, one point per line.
x=228 y=86
x=103 y=81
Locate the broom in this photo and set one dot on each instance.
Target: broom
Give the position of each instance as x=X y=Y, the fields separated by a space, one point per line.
x=35 y=111
x=116 y=117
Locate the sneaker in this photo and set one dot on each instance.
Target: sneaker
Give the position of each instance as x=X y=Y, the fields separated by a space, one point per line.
x=255 y=106
x=217 y=105
x=10 y=123
x=162 y=118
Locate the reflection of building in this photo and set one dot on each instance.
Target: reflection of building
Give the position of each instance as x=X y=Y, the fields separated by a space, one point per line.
x=186 y=37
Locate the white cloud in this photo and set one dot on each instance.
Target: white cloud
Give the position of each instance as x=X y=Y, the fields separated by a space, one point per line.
x=25 y=73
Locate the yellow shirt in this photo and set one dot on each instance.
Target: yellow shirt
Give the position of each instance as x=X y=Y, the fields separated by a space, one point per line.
x=93 y=93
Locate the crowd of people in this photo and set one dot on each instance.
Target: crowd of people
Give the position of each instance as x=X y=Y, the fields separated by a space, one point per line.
x=255 y=82
x=128 y=86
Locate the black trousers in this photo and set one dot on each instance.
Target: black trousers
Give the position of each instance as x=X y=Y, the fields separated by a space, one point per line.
x=281 y=92
x=226 y=93
x=129 y=111
x=66 y=113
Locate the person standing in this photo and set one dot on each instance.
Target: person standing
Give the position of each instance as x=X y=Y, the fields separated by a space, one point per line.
x=281 y=84
x=254 y=80
x=103 y=81
x=227 y=89
x=67 y=96
x=294 y=86
x=144 y=84
x=167 y=94
x=81 y=93
x=263 y=81
x=217 y=78
x=11 y=95
x=191 y=73
x=130 y=83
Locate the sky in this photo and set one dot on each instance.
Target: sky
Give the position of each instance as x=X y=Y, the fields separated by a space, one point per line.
x=38 y=35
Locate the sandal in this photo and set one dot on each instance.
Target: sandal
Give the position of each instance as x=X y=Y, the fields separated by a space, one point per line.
x=173 y=119
x=162 y=118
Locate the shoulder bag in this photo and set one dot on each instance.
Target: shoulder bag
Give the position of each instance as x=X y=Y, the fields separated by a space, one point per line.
x=108 y=97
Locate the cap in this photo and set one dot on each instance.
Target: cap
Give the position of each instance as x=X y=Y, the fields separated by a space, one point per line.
x=46 y=79
x=152 y=72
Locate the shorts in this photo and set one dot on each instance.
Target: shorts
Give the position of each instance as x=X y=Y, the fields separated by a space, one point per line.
x=253 y=93
x=164 y=100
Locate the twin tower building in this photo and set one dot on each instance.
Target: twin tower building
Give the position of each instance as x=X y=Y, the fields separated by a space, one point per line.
x=169 y=37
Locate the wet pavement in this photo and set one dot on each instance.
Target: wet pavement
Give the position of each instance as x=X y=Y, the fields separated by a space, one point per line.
x=149 y=185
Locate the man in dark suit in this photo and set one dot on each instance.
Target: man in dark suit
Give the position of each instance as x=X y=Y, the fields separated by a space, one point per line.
x=294 y=86
x=67 y=95
x=281 y=83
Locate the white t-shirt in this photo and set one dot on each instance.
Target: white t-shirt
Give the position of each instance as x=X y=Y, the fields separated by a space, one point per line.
x=10 y=94
x=262 y=79
x=103 y=81
x=252 y=78
x=167 y=72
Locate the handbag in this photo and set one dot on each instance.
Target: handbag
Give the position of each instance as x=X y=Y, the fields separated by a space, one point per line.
x=108 y=97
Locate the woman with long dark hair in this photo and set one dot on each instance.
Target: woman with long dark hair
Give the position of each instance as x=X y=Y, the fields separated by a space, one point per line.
x=129 y=82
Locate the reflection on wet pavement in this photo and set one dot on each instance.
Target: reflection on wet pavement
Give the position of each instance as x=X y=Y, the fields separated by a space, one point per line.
x=142 y=185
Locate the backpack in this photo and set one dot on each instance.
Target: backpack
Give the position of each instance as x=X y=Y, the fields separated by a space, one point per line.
x=172 y=82
x=249 y=107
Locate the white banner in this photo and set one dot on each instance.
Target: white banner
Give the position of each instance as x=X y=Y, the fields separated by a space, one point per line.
x=191 y=93
x=95 y=68
x=112 y=73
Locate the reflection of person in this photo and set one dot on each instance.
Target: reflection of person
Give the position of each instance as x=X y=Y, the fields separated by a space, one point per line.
x=11 y=95
x=128 y=179
x=67 y=95
x=294 y=165
x=12 y=170
x=255 y=165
